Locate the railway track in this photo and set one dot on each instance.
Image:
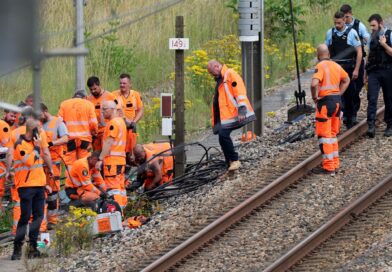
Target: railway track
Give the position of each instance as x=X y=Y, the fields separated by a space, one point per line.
x=216 y=237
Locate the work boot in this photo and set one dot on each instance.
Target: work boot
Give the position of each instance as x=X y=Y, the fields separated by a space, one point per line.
x=234 y=165
x=17 y=254
x=322 y=171
x=33 y=251
x=371 y=132
x=388 y=131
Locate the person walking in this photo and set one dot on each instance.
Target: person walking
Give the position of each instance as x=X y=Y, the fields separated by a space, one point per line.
x=231 y=109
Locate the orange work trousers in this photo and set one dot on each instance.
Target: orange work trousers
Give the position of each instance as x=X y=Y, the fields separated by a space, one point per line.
x=327 y=129
x=115 y=183
x=17 y=213
x=131 y=140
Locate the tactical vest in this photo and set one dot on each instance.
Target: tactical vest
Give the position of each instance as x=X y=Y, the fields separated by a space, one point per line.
x=340 y=50
x=378 y=57
x=356 y=28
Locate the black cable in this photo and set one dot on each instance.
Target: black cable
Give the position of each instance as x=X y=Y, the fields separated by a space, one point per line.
x=206 y=170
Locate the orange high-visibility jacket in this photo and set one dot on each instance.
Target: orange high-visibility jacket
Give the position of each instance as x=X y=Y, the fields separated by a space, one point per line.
x=79 y=117
x=116 y=129
x=17 y=132
x=81 y=176
x=166 y=158
x=330 y=74
x=28 y=164
x=131 y=104
x=232 y=95
x=98 y=102
x=5 y=135
x=52 y=135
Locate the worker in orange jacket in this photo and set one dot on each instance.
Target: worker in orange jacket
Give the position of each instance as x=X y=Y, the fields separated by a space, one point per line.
x=79 y=185
x=132 y=108
x=57 y=137
x=30 y=181
x=155 y=163
x=5 y=161
x=112 y=158
x=27 y=113
x=329 y=82
x=79 y=116
x=231 y=108
x=97 y=97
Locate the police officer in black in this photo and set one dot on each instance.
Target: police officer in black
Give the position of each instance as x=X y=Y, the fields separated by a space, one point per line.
x=346 y=49
x=379 y=73
x=364 y=36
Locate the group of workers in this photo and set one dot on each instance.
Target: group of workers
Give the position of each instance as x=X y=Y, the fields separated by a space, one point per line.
x=340 y=75
x=94 y=137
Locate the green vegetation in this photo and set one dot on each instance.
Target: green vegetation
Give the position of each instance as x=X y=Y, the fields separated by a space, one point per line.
x=74 y=232
x=6 y=220
x=142 y=48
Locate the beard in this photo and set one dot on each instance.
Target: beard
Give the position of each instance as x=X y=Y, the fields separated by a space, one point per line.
x=96 y=95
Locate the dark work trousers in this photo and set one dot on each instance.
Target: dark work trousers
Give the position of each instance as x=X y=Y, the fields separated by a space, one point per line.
x=348 y=98
x=32 y=201
x=379 y=78
x=227 y=145
x=358 y=87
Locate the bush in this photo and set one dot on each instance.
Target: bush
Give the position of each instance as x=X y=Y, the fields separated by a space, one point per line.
x=74 y=232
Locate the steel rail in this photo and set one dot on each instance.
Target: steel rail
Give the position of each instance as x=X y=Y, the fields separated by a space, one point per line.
x=336 y=223
x=217 y=227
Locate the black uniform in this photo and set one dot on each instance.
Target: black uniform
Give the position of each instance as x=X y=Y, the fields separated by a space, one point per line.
x=379 y=69
x=345 y=55
x=359 y=81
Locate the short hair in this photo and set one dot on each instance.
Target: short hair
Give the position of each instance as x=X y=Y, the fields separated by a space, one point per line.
x=93 y=80
x=339 y=15
x=30 y=96
x=80 y=94
x=125 y=76
x=346 y=9
x=43 y=107
x=375 y=17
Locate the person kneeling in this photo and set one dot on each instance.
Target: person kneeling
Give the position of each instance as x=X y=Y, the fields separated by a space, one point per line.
x=79 y=186
x=155 y=162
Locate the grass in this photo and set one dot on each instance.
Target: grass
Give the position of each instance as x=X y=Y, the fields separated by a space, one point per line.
x=142 y=48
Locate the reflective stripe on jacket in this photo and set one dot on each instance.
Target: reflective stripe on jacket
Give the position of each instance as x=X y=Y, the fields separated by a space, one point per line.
x=232 y=96
x=79 y=117
x=28 y=165
x=330 y=74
